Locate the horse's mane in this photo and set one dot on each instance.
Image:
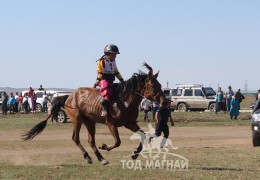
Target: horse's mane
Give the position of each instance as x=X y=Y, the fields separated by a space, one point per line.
x=123 y=90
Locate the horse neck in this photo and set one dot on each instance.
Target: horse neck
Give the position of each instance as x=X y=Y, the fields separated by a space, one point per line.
x=134 y=100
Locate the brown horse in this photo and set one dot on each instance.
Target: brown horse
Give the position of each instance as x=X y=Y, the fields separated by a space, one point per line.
x=83 y=107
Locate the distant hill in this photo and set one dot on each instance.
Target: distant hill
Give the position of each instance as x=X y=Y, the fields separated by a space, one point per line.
x=8 y=90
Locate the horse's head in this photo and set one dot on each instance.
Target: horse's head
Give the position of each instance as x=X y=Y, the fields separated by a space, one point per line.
x=152 y=89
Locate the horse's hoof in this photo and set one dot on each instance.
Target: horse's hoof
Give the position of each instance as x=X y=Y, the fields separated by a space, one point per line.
x=104 y=162
x=134 y=157
x=103 y=147
x=89 y=161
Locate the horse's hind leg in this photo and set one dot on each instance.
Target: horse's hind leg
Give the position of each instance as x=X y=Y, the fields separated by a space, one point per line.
x=76 y=139
x=91 y=126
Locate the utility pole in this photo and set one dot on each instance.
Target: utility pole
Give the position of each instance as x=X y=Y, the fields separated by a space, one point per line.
x=246 y=87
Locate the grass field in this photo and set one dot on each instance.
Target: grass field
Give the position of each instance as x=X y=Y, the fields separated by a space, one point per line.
x=215 y=146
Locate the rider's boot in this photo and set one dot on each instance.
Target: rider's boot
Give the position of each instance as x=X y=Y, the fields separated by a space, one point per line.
x=104 y=104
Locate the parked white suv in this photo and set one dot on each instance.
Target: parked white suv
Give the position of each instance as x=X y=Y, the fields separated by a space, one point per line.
x=39 y=94
x=193 y=96
x=61 y=116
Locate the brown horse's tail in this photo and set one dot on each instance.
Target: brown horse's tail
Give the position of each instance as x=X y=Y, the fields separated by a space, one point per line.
x=57 y=103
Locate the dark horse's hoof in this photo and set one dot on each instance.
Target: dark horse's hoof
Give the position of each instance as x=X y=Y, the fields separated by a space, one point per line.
x=134 y=156
x=89 y=160
x=103 y=147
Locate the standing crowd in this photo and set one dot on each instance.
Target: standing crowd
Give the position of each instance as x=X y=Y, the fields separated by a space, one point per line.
x=19 y=103
x=229 y=101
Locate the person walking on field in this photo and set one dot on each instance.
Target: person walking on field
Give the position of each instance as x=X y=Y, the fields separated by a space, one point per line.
x=219 y=100
x=45 y=102
x=161 y=119
x=4 y=102
x=30 y=92
x=234 y=109
x=26 y=103
x=33 y=99
x=258 y=95
x=239 y=97
x=107 y=70
x=11 y=103
x=16 y=102
x=146 y=104
x=155 y=108
x=229 y=94
x=20 y=103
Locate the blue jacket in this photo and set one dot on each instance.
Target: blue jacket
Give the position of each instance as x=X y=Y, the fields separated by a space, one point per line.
x=11 y=100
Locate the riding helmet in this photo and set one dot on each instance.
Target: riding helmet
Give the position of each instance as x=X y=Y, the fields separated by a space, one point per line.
x=111 y=48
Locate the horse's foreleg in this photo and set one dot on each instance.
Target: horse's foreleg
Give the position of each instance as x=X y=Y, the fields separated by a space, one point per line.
x=91 y=140
x=136 y=129
x=114 y=131
x=76 y=139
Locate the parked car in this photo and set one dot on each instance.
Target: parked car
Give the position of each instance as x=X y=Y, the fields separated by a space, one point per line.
x=190 y=97
x=1 y=93
x=39 y=94
x=255 y=124
x=61 y=116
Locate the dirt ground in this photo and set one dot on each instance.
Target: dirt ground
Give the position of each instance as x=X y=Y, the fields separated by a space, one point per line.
x=15 y=151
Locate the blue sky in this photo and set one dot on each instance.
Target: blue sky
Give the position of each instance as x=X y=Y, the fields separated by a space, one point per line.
x=56 y=43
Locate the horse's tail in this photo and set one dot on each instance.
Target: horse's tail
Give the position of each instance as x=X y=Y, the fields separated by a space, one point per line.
x=57 y=103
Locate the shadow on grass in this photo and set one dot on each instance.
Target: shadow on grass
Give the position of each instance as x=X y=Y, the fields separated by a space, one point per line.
x=220 y=169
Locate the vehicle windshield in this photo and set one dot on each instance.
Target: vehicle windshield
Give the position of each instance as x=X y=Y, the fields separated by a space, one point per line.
x=209 y=91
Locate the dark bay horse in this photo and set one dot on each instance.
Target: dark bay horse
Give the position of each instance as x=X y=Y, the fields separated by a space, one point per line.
x=83 y=107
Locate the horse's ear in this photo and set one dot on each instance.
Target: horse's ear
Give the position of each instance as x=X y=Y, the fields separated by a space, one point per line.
x=156 y=75
x=150 y=74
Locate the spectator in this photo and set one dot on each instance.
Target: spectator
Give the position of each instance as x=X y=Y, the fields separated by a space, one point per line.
x=16 y=102
x=155 y=108
x=45 y=102
x=4 y=103
x=26 y=103
x=30 y=92
x=11 y=103
x=239 y=97
x=219 y=100
x=41 y=88
x=161 y=117
x=33 y=99
x=258 y=95
x=234 y=109
x=20 y=103
x=145 y=104
x=229 y=94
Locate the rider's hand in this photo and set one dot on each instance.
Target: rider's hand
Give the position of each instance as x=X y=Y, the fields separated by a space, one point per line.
x=95 y=85
x=122 y=80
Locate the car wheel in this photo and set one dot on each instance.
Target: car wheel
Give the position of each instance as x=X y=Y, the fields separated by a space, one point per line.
x=38 y=107
x=182 y=107
x=62 y=118
x=212 y=107
x=255 y=139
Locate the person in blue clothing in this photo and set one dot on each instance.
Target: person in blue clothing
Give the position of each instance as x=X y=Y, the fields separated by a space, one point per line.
x=11 y=103
x=234 y=107
x=219 y=100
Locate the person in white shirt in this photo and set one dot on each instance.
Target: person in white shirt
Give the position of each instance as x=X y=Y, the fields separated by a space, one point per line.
x=145 y=104
x=45 y=102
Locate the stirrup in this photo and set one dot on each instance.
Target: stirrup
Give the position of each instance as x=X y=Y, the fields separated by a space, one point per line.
x=104 y=113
